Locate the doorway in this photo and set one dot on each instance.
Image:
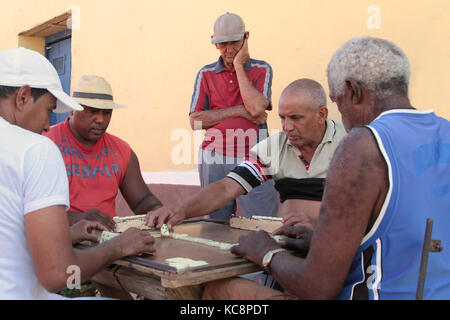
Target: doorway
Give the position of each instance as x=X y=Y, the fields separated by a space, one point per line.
x=58 y=51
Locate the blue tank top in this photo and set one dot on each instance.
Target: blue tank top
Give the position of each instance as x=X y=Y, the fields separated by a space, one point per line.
x=416 y=147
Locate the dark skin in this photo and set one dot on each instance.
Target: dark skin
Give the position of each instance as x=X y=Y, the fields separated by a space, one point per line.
x=299 y=238
x=356 y=187
x=82 y=231
x=48 y=235
x=88 y=126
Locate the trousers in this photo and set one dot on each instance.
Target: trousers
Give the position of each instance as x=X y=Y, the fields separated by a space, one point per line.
x=261 y=201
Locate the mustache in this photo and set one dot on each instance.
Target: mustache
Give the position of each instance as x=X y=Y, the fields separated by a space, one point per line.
x=98 y=128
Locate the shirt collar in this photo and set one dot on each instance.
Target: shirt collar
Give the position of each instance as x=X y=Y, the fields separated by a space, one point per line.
x=330 y=132
x=220 y=67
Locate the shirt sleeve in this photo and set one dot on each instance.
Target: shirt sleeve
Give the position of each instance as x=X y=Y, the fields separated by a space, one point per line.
x=45 y=178
x=264 y=82
x=200 y=97
x=255 y=169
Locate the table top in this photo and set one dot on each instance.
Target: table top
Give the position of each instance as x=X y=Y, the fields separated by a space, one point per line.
x=221 y=263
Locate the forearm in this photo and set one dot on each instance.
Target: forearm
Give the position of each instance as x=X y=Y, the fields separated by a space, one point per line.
x=211 y=198
x=91 y=260
x=209 y=118
x=290 y=271
x=254 y=101
x=55 y=269
x=149 y=203
x=83 y=263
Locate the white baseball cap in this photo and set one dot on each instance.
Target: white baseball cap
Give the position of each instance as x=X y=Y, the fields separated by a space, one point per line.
x=228 y=27
x=20 y=67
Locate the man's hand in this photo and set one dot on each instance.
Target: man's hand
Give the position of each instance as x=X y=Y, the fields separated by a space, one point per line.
x=169 y=215
x=81 y=231
x=93 y=215
x=134 y=242
x=299 y=238
x=298 y=219
x=254 y=246
x=242 y=56
x=253 y=98
x=258 y=120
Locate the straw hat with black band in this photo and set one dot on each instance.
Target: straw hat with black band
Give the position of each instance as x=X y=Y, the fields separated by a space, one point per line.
x=95 y=92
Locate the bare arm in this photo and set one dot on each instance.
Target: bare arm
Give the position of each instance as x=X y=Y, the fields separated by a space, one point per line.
x=50 y=244
x=134 y=190
x=355 y=190
x=209 y=118
x=254 y=101
x=209 y=199
x=212 y=197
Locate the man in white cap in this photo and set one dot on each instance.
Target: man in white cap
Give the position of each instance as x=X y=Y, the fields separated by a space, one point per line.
x=230 y=100
x=98 y=164
x=35 y=239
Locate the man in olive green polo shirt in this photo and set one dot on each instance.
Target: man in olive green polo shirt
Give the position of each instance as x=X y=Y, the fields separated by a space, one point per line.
x=296 y=158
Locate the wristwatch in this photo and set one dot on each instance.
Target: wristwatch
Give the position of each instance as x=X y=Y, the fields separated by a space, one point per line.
x=267 y=259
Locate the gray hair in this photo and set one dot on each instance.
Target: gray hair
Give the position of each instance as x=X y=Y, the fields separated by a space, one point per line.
x=309 y=88
x=377 y=63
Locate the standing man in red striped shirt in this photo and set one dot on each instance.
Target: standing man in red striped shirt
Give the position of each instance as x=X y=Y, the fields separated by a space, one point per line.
x=230 y=100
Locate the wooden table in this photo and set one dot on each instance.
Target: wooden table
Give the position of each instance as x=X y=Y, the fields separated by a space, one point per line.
x=149 y=276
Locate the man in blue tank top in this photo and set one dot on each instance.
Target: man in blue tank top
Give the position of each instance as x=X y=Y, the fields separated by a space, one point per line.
x=390 y=173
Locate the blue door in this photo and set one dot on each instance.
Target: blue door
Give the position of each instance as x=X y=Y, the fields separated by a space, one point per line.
x=58 y=52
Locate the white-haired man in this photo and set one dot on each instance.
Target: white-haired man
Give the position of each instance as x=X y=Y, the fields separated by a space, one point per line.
x=387 y=177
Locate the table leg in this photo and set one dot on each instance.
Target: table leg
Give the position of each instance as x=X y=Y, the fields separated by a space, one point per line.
x=185 y=293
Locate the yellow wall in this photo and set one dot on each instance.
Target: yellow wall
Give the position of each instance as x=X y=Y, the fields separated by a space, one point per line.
x=33 y=43
x=150 y=51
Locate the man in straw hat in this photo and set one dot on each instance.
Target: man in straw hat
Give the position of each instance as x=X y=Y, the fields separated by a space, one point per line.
x=98 y=164
x=230 y=100
x=35 y=239
x=387 y=177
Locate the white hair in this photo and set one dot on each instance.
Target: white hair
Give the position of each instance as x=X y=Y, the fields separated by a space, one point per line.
x=377 y=63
